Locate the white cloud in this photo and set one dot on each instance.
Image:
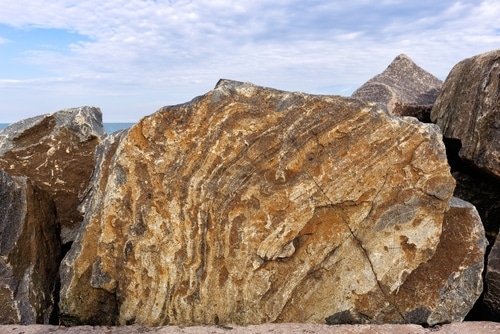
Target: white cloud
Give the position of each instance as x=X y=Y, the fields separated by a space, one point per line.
x=145 y=47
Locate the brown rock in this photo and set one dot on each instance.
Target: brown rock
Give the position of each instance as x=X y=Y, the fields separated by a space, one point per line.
x=451 y=281
x=404 y=88
x=251 y=205
x=56 y=151
x=468 y=110
x=93 y=199
x=445 y=288
x=29 y=252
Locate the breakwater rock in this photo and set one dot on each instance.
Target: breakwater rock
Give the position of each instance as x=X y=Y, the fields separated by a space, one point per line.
x=29 y=252
x=404 y=88
x=251 y=205
x=247 y=205
x=56 y=151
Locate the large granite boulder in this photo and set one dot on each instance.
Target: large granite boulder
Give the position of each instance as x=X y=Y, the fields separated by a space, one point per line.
x=251 y=205
x=468 y=110
x=29 y=252
x=404 y=88
x=56 y=151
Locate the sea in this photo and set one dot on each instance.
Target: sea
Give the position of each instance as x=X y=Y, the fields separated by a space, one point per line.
x=109 y=127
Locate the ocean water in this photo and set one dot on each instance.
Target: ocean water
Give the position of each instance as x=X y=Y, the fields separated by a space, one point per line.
x=113 y=127
x=109 y=127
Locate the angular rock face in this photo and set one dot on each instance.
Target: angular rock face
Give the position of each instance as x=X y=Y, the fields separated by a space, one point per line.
x=29 y=252
x=468 y=110
x=404 y=88
x=56 y=152
x=88 y=239
x=492 y=294
x=251 y=205
x=451 y=281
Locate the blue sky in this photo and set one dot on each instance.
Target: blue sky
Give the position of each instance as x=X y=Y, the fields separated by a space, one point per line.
x=131 y=57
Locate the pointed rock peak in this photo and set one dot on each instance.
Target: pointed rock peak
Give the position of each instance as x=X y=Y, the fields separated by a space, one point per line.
x=402 y=57
x=403 y=87
x=403 y=61
x=227 y=83
x=406 y=64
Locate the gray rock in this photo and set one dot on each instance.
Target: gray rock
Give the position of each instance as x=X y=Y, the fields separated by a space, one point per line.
x=29 y=252
x=492 y=294
x=56 y=151
x=468 y=110
x=404 y=88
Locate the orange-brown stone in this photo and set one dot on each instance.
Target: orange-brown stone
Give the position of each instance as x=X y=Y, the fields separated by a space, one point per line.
x=251 y=205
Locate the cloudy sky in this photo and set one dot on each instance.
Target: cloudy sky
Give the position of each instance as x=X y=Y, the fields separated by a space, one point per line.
x=131 y=57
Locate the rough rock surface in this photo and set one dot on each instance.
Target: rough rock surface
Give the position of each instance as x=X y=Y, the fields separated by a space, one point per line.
x=454 y=328
x=404 y=88
x=56 y=151
x=91 y=202
x=492 y=294
x=251 y=205
x=104 y=155
x=468 y=110
x=451 y=281
x=29 y=252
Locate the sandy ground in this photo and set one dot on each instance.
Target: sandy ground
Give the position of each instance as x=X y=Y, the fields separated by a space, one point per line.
x=455 y=328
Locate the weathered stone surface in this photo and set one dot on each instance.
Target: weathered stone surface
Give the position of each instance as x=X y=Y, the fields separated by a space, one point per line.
x=92 y=200
x=468 y=110
x=451 y=281
x=251 y=205
x=56 y=152
x=404 y=88
x=492 y=294
x=29 y=252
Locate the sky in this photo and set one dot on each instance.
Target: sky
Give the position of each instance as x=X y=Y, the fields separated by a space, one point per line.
x=132 y=57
